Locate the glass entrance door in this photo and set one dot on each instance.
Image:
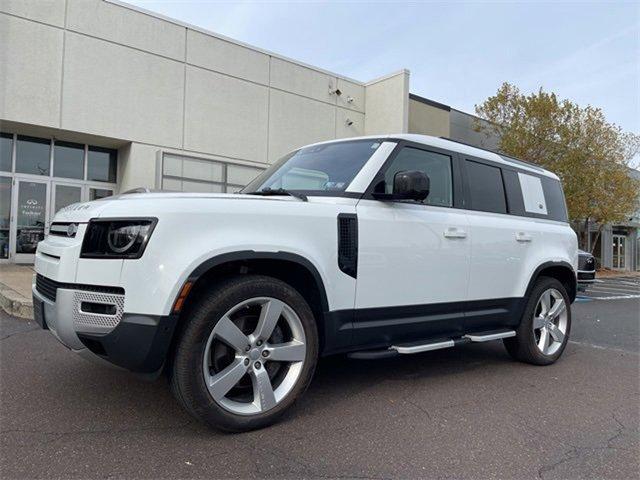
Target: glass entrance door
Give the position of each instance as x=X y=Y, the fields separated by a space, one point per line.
x=5 y=217
x=619 y=252
x=30 y=211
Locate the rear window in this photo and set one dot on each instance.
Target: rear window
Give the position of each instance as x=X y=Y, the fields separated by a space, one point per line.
x=486 y=188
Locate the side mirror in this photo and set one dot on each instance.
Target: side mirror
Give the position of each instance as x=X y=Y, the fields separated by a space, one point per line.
x=410 y=185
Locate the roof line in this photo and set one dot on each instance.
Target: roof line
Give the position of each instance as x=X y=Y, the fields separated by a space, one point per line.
x=219 y=36
x=432 y=103
x=402 y=71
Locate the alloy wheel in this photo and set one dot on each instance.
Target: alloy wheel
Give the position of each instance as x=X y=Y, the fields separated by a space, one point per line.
x=254 y=356
x=550 y=321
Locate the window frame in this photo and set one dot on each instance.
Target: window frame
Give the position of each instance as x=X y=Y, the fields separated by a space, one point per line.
x=456 y=175
x=515 y=205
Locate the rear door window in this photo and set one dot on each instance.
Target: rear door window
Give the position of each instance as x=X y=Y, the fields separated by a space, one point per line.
x=486 y=188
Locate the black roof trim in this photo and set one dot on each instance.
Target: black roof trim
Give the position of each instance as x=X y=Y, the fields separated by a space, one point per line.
x=501 y=155
x=426 y=101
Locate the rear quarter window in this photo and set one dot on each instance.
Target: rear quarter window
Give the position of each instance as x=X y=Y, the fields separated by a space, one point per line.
x=553 y=194
x=525 y=201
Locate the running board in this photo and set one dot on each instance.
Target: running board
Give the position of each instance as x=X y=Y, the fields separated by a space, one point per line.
x=418 y=347
x=488 y=336
x=425 y=347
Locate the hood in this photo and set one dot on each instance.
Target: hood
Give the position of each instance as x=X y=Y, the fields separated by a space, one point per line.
x=83 y=212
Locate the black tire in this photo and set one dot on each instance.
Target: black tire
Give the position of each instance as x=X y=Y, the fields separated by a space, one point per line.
x=523 y=346
x=187 y=376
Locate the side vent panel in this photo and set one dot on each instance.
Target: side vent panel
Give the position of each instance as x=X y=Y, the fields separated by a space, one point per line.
x=348 y=244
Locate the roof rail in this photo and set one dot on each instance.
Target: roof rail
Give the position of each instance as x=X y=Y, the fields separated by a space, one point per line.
x=137 y=190
x=502 y=155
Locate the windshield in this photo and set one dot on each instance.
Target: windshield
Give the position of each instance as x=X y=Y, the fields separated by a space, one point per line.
x=321 y=168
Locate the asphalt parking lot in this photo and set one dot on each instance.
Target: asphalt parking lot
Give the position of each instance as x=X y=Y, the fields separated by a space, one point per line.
x=468 y=412
x=618 y=288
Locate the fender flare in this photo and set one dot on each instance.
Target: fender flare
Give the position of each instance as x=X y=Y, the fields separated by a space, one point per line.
x=545 y=265
x=254 y=255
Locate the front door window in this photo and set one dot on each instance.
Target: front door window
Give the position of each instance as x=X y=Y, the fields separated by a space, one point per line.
x=31 y=215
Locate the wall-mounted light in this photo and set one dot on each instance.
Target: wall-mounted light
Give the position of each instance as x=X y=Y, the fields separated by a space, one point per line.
x=350 y=99
x=335 y=91
x=348 y=122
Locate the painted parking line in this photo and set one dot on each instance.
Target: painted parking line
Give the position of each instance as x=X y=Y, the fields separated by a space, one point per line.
x=616 y=297
x=614 y=291
x=621 y=288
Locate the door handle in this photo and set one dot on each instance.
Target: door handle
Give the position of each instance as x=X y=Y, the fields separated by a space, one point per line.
x=523 y=237
x=455 y=233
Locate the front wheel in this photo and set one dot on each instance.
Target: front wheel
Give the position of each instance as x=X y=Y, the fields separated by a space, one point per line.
x=247 y=354
x=544 y=329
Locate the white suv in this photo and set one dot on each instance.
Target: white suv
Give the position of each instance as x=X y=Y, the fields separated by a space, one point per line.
x=372 y=246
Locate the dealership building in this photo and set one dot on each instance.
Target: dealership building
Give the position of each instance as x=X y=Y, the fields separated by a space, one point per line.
x=98 y=97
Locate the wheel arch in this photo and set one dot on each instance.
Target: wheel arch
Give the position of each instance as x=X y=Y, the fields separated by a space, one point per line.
x=293 y=269
x=560 y=270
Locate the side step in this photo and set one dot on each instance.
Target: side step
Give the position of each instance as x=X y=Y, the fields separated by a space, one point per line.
x=488 y=336
x=418 y=347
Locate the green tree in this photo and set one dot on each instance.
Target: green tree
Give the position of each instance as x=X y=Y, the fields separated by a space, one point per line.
x=590 y=155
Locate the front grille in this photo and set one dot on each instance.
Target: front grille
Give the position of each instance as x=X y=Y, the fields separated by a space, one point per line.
x=586 y=262
x=46 y=287
x=49 y=288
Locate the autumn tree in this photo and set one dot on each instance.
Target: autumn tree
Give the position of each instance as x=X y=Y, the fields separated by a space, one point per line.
x=590 y=155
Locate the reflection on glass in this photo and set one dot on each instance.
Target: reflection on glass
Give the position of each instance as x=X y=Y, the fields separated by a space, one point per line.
x=101 y=165
x=6 y=145
x=66 y=195
x=32 y=155
x=5 y=215
x=32 y=203
x=98 y=193
x=68 y=160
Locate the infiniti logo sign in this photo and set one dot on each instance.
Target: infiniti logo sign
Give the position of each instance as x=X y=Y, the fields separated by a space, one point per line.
x=32 y=202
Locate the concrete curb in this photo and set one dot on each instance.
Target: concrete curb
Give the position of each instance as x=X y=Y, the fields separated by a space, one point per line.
x=15 y=304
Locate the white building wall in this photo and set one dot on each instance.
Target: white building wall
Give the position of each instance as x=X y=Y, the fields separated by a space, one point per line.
x=387 y=104
x=106 y=70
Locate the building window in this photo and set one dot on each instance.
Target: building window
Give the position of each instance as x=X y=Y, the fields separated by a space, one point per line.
x=101 y=164
x=6 y=151
x=188 y=174
x=98 y=193
x=68 y=160
x=33 y=155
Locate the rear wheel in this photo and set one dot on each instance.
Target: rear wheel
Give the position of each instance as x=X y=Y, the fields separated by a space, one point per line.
x=544 y=329
x=247 y=354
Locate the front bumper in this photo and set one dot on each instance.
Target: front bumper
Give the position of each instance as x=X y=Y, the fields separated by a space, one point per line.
x=586 y=276
x=138 y=343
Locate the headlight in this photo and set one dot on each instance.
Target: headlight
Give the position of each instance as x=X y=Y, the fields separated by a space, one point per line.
x=121 y=238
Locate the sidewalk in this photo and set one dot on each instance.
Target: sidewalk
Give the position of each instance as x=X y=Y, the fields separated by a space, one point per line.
x=15 y=290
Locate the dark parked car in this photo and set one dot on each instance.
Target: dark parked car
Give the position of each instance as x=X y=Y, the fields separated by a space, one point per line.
x=586 y=269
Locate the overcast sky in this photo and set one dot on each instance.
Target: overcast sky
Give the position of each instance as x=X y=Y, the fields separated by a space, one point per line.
x=458 y=52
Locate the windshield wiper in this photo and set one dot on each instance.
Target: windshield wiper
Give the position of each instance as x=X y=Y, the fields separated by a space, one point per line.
x=267 y=192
